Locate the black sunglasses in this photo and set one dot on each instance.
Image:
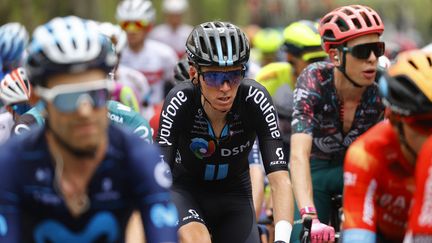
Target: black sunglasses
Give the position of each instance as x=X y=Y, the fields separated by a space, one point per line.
x=363 y=51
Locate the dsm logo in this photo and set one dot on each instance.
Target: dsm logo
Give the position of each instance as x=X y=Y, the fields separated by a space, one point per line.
x=202 y=148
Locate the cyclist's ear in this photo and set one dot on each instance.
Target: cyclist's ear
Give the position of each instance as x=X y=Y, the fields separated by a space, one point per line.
x=193 y=74
x=334 y=56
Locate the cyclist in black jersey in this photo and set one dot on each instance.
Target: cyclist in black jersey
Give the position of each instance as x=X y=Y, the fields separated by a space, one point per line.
x=78 y=179
x=206 y=131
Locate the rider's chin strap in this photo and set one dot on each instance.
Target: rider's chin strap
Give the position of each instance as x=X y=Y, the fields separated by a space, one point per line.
x=342 y=69
x=403 y=140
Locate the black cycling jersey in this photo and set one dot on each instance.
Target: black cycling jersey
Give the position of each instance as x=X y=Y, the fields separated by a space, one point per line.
x=186 y=135
x=211 y=171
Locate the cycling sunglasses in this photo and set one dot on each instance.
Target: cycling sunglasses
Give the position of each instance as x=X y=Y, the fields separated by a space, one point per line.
x=420 y=123
x=363 y=51
x=134 y=26
x=68 y=97
x=21 y=108
x=217 y=78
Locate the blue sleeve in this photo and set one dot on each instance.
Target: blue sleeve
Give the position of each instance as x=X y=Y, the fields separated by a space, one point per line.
x=9 y=199
x=358 y=236
x=151 y=179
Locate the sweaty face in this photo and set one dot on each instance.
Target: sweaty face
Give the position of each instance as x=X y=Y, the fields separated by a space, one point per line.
x=220 y=96
x=84 y=129
x=362 y=71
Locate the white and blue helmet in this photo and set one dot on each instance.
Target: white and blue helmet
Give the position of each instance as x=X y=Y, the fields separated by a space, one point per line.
x=68 y=45
x=13 y=41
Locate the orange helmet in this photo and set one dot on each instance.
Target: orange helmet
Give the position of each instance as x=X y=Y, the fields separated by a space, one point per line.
x=406 y=88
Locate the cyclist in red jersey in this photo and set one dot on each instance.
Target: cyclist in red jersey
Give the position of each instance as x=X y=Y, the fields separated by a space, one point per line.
x=420 y=220
x=379 y=165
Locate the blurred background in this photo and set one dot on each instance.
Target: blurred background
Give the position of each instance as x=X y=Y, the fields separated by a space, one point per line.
x=407 y=21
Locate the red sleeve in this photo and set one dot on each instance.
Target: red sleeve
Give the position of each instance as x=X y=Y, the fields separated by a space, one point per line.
x=360 y=187
x=420 y=221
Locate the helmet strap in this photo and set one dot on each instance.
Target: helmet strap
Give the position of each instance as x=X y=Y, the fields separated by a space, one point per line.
x=403 y=140
x=342 y=69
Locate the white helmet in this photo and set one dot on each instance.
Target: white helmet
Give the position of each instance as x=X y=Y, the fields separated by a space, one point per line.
x=136 y=10
x=15 y=87
x=68 y=44
x=383 y=62
x=115 y=33
x=175 y=6
x=13 y=40
x=428 y=48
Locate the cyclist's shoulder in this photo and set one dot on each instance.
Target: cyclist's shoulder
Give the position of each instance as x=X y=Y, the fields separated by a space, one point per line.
x=274 y=70
x=29 y=145
x=160 y=49
x=183 y=91
x=318 y=72
x=123 y=144
x=277 y=73
x=377 y=145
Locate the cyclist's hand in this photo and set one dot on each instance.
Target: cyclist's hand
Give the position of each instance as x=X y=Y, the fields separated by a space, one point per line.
x=321 y=232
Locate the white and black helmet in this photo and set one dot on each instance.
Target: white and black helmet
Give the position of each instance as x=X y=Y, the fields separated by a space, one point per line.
x=136 y=10
x=217 y=44
x=68 y=45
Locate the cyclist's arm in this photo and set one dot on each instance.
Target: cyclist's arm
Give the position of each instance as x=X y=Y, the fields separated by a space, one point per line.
x=274 y=160
x=360 y=188
x=142 y=128
x=257 y=178
x=307 y=96
x=173 y=119
x=420 y=220
x=301 y=144
x=151 y=180
x=10 y=230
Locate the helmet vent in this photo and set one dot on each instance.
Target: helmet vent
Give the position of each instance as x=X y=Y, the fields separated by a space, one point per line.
x=343 y=25
x=376 y=19
x=234 y=50
x=413 y=64
x=203 y=46
x=59 y=47
x=74 y=44
x=430 y=61
x=366 y=19
x=347 y=11
x=357 y=24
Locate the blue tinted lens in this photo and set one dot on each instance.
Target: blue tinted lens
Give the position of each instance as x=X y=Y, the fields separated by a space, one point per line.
x=21 y=108
x=216 y=79
x=70 y=102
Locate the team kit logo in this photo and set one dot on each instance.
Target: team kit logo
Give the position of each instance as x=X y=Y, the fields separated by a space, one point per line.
x=202 y=148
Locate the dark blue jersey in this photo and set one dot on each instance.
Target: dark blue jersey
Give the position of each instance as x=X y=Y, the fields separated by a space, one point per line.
x=131 y=176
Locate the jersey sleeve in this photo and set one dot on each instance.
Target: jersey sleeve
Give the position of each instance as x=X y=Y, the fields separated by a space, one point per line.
x=360 y=188
x=23 y=124
x=260 y=107
x=9 y=198
x=172 y=119
x=307 y=94
x=420 y=220
x=151 y=180
x=141 y=127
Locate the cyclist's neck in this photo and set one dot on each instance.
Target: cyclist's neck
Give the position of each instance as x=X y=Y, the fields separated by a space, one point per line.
x=345 y=90
x=137 y=48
